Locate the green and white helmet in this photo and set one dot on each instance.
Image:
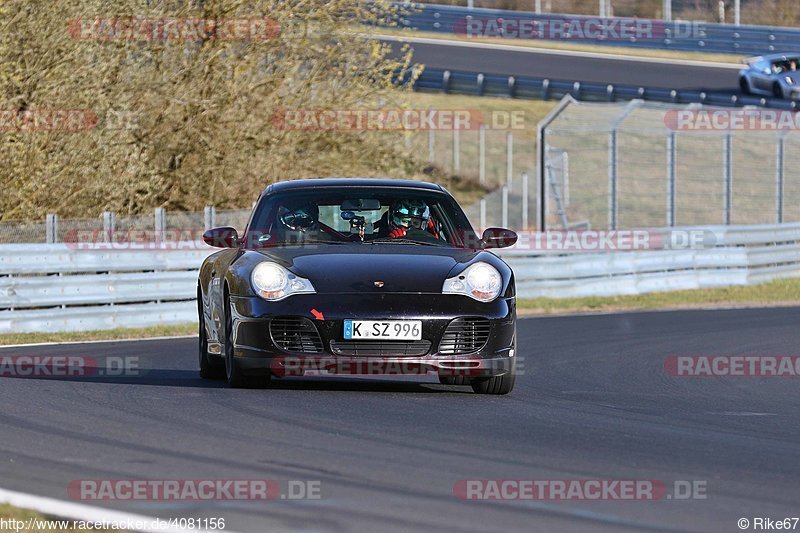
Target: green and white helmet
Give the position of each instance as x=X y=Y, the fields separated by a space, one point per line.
x=404 y=211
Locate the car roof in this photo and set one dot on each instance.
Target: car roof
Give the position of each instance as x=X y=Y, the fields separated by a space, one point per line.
x=349 y=182
x=771 y=57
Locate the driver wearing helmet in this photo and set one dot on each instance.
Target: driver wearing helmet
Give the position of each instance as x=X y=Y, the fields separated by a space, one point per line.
x=409 y=218
x=298 y=223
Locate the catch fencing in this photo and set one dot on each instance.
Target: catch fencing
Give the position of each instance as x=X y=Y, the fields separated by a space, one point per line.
x=641 y=164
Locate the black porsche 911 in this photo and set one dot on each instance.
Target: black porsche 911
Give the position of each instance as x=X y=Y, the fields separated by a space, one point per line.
x=358 y=276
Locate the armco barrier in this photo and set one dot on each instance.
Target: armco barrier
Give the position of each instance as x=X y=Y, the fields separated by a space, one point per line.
x=678 y=35
x=477 y=83
x=60 y=288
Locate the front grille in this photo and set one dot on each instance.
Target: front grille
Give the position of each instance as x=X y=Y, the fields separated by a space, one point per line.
x=380 y=348
x=464 y=335
x=295 y=335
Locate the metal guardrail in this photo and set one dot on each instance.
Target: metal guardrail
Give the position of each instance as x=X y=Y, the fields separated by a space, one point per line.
x=678 y=35
x=66 y=287
x=480 y=84
x=61 y=288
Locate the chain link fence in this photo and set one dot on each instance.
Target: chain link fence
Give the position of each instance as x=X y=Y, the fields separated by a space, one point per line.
x=643 y=164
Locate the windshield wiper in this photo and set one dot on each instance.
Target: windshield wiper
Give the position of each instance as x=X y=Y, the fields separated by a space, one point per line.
x=400 y=241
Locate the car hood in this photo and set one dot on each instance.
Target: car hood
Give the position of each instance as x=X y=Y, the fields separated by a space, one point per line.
x=360 y=268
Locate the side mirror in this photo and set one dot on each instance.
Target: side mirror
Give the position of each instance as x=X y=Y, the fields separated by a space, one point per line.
x=498 y=238
x=224 y=237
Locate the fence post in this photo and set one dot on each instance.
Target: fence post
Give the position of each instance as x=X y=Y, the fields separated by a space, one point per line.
x=671 y=162
x=482 y=154
x=456 y=151
x=538 y=7
x=524 y=201
x=431 y=153
x=109 y=226
x=613 y=159
x=51 y=228
x=779 y=177
x=209 y=217
x=505 y=207
x=160 y=223
x=728 y=176
x=668 y=10
x=737 y=12
x=509 y=159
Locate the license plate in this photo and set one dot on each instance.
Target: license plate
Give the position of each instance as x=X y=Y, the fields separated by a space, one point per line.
x=394 y=330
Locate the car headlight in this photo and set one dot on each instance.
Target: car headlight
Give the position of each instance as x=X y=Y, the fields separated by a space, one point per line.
x=480 y=281
x=273 y=282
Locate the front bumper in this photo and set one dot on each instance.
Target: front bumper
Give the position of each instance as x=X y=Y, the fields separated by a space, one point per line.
x=255 y=351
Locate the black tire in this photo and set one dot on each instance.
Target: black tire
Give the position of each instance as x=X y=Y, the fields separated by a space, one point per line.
x=234 y=375
x=209 y=369
x=777 y=92
x=497 y=384
x=744 y=86
x=453 y=380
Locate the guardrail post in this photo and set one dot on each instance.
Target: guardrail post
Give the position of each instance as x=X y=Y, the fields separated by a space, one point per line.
x=668 y=10
x=51 y=228
x=613 y=159
x=728 y=176
x=509 y=159
x=545 y=89
x=431 y=152
x=505 y=207
x=456 y=151
x=109 y=226
x=446 y=81
x=209 y=217
x=483 y=214
x=737 y=12
x=480 y=81
x=780 y=163
x=160 y=223
x=482 y=154
x=524 y=201
x=672 y=140
x=512 y=86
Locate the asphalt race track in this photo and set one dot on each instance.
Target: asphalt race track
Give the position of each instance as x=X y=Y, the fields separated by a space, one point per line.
x=649 y=73
x=594 y=402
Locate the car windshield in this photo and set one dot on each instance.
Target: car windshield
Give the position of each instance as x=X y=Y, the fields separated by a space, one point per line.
x=360 y=215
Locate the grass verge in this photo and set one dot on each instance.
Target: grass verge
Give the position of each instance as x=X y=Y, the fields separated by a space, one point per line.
x=33 y=522
x=575 y=47
x=108 y=334
x=779 y=293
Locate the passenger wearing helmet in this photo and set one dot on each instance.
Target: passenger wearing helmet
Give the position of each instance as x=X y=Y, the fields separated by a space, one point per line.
x=407 y=214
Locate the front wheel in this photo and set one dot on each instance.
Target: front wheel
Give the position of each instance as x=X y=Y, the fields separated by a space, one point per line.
x=208 y=369
x=744 y=86
x=496 y=384
x=233 y=374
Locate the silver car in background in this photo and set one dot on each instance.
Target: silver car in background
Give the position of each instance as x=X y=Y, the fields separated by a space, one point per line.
x=775 y=75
